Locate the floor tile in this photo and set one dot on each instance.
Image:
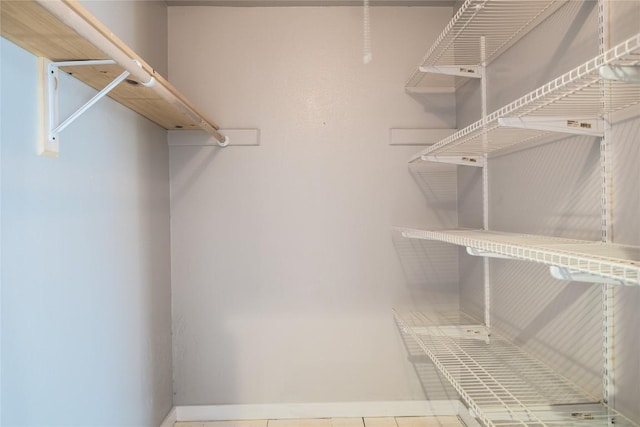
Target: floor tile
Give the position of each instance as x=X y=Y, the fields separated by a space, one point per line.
x=347 y=422
x=318 y=422
x=451 y=421
x=241 y=423
x=380 y=422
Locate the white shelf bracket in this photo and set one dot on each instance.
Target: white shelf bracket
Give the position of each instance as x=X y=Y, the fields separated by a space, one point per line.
x=486 y=254
x=475 y=161
x=50 y=143
x=576 y=126
x=628 y=74
x=564 y=273
x=475 y=332
x=472 y=71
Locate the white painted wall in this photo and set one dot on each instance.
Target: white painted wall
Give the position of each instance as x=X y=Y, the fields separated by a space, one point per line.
x=141 y=24
x=284 y=265
x=85 y=250
x=554 y=189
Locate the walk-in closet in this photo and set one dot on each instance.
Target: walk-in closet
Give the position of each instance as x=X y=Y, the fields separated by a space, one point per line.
x=320 y=213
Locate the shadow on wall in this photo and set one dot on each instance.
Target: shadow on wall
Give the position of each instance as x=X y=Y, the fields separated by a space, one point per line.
x=438 y=184
x=471 y=284
x=548 y=188
x=518 y=70
x=220 y=382
x=430 y=269
x=558 y=322
x=204 y=156
x=626 y=138
x=436 y=104
x=431 y=272
x=627 y=369
x=433 y=384
x=153 y=227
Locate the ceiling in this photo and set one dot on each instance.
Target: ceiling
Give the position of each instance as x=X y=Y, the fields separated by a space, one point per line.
x=285 y=3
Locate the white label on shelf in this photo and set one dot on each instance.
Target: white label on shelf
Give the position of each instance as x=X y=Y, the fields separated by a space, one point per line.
x=579 y=124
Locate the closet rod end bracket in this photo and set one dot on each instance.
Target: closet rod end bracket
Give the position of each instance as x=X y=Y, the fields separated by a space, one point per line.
x=224 y=142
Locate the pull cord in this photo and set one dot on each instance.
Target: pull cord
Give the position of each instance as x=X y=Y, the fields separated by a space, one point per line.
x=368 y=56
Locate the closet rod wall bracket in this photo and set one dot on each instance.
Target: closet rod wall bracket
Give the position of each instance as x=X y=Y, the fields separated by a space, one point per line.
x=50 y=143
x=224 y=142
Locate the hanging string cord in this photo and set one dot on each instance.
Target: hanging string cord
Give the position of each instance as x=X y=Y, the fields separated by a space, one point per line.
x=368 y=56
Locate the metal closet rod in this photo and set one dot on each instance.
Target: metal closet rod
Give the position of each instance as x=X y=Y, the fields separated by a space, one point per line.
x=63 y=10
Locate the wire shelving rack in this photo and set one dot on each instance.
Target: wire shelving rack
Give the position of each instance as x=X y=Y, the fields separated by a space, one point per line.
x=572 y=104
x=501 y=383
x=501 y=22
x=618 y=262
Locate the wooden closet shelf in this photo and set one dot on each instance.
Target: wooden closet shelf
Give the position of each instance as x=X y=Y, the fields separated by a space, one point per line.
x=32 y=27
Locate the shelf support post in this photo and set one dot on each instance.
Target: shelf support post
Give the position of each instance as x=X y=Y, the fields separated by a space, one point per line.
x=485 y=185
x=50 y=146
x=608 y=290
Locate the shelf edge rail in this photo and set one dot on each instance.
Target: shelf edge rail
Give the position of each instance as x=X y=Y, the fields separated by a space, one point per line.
x=71 y=14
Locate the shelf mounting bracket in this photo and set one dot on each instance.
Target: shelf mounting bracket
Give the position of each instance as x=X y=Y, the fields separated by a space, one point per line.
x=487 y=254
x=564 y=273
x=472 y=71
x=576 y=126
x=622 y=73
x=476 y=161
x=50 y=142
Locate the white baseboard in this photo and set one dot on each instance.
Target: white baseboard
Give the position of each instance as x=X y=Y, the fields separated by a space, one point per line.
x=317 y=410
x=170 y=419
x=412 y=408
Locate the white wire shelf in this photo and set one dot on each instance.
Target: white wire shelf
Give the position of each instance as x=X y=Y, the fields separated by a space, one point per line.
x=501 y=22
x=500 y=382
x=573 y=103
x=617 y=262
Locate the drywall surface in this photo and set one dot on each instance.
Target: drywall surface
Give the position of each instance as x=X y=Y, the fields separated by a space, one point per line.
x=625 y=140
x=284 y=264
x=86 y=314
x=141 y=24
x=625 y=137
x=554 y=189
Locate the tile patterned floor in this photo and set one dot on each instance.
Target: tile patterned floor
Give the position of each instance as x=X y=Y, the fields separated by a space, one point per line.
x=449 y=421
